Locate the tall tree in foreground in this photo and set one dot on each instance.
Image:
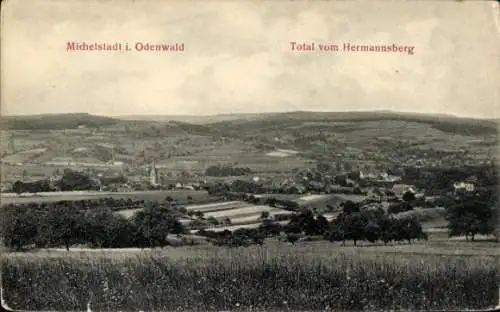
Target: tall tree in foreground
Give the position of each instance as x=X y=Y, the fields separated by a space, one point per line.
x=106 y=229
x=471 y=215
x=353 y=226
x=154 y=223
x=61 y=225
x=18 y=226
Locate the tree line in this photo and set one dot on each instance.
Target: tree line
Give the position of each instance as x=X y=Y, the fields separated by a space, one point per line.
x=353 y=223
x=115 y=204
x=95 y=223
x=226 y=171
x=24 y=226
x=71 y=180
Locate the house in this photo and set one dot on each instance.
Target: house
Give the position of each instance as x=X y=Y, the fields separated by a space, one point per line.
x=460 y=187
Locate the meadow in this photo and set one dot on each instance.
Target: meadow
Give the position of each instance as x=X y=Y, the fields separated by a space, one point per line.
x=198 y=197
x=306 y=277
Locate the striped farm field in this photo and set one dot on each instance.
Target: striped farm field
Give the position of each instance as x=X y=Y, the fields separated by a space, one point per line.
x=256 y=217
x=241 y=226
x=248 y=210
x=313 y=197
x=216 y=206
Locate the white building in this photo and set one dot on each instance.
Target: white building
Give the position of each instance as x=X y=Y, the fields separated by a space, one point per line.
x=463 y=186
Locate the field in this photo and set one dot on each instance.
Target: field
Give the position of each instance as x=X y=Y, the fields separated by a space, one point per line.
x=240 y=214
x=429 y=217
x=178 y=195
x=216 y=206
x=251 y=225
x=307 y=276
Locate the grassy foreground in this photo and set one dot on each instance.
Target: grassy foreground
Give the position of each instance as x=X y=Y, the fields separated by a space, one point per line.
x=259 y=278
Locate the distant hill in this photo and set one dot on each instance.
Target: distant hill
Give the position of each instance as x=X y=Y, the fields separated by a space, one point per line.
x=233 y=124
x=55 y=121
x=193 y=119
x=445 y=123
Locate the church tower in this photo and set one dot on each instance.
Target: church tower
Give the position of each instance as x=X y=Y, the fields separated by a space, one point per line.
x=153 y=174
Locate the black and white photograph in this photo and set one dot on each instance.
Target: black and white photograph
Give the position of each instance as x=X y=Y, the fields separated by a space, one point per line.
x=234 y=156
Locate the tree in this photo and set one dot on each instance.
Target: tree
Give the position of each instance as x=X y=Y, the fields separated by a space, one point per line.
x=62 y=224
x=354 y=226
x=336 y=234
x=408 y=196
x=154 y=224
x=302 y=222
x=169 y=199
x=258 y=237
x=414 y=229
x=341 y=180
x=264 y=215
x=252 y=198
x=407 y=229
x=271 y=201
x=106 y=229
x=75 y=181
x=349 y=207
x=399 y=207
x=213 y=221
x=18 y=226
x=321 y=225
x=17 y=187
x=471 y=215
x=290 y=205
x=292 y=238
x=270 y=228
x=372 y=232
x=386 y=226
x=292 y=228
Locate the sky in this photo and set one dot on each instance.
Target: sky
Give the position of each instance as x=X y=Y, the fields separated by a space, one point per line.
x=237 y=57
